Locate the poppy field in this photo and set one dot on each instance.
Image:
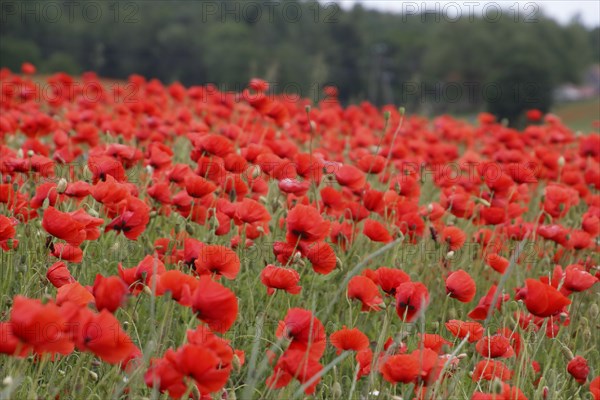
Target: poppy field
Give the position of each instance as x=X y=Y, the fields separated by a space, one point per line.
x=161 y=241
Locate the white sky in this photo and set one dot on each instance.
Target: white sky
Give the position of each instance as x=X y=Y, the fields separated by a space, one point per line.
x=561 y=10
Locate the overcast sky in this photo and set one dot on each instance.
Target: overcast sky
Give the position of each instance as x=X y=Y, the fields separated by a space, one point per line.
x=561 y=10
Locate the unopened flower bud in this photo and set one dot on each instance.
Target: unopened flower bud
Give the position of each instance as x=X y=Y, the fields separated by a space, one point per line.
x=561 y=161
x=336 y=390
x=498 y=386
x=61 y=186
x=450 y=255
x=30 y=153
x=567 y=352
x=594 y=311
x=8 y=381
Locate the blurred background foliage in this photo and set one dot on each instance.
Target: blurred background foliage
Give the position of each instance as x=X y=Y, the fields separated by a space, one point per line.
x=414 y=60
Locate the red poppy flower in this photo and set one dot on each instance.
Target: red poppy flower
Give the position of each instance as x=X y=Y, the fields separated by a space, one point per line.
x=376 y=231
x=461 y=286
x=389 y=279
x=578 y=368
x=40 y=327
x=365 y=290
x=411 y=299
x=541 y=299
x=136 y=277
x=490 y=369
x=165 y=376
x=497 y=262
x=321 y=256
x=281 y=279
x=204 y=366
x=577 y=279
x=461 y=329
x=7 y=232
x=109 y=293
x=558 y=199
x=10 y=343
x=218 y=260
x=198 y=187
x=180 y=285
x=351 y=177
x=402 y=368
x=67 y=252
x=482 y=310
x=102 y=335
x=74 y=293
x=349 y=339
x=214 y=304
x=433 y=342
x=132 y=220
x=103 y=166
x=64 y=226
x=58 y=274
x=494 y=346
x=28 y=68
x=454 y=236
x=302 y=327
x=295 y=364
x=534 y=115
x=595 y=388
x=304 y=223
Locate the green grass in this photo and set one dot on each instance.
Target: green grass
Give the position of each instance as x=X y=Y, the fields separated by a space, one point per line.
x=580 y=115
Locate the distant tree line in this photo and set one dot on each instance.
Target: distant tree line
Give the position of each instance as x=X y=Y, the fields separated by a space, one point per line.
x=423 y=61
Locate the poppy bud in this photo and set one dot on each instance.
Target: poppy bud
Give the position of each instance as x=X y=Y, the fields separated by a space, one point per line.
x=61 y=186
x=587 y=335
x=545 y=392
x=147 y=290
x=189 y=229
x=450 y=255
x=93 y=375
x=567 y=352
x=594 y=311
x=561 y=161
x=307 y=108
x=30 y=153
x=579 y=369
x=483 y=201
x=402 y=110
x=8 y=381
x=149 y=169
x=237 y=363
x=387 y=114
x=20 y=153
x=46 y=203
x=336 y=390
x=498 y=386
